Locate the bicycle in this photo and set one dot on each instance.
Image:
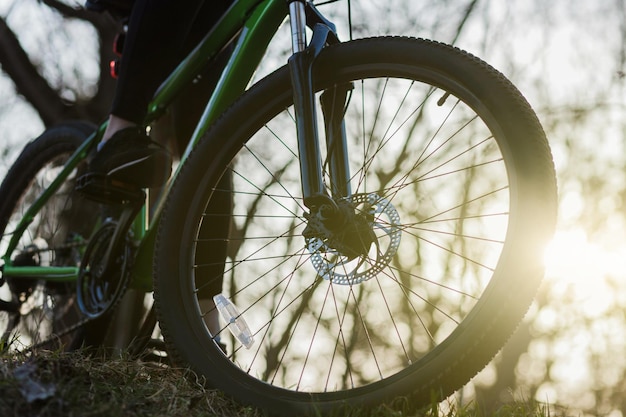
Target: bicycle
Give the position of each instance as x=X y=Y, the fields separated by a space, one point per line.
x=383 y=258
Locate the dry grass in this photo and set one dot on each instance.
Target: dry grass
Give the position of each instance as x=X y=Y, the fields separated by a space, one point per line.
x=77 y=384
x=63 y=384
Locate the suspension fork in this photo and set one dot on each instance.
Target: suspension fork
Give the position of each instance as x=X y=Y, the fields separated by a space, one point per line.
x=333 y=102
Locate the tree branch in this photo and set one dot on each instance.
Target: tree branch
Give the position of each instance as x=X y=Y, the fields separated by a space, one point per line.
x=34 y=87
x=29 y=83
x=468 y=11
x=107 y=28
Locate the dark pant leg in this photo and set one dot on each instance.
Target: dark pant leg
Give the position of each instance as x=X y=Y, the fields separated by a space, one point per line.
x=157 y=31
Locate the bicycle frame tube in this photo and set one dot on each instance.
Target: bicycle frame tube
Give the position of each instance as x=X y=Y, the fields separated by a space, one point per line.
x=48 y=273
x=253 y=23
x=256 y=23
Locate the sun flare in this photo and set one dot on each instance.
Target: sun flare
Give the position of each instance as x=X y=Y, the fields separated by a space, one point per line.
x=572 y=257
x=590 y=273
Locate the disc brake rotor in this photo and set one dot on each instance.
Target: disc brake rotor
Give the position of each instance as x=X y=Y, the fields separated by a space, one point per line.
x=338 y=268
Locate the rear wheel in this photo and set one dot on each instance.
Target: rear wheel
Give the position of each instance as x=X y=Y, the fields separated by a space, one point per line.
x=453 y=193
x=37 y=313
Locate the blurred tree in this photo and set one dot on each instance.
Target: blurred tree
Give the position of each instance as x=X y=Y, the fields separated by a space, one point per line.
x=567 y=56
x=56 y=55
x=568 y=59
x=55 y=59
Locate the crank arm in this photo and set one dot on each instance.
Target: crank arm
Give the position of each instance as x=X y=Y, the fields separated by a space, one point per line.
x=125 y=220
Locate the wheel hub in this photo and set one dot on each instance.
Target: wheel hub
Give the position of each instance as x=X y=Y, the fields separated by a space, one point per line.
x=353 y=242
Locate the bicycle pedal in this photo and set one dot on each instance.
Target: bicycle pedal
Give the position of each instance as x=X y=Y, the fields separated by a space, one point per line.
x=105 y=190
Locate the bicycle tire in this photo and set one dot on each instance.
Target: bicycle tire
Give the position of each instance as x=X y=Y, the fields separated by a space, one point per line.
x=425 y=317
x=48 y=315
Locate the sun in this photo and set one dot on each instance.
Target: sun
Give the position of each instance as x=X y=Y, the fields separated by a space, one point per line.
x=571 y=256
x=585 y=267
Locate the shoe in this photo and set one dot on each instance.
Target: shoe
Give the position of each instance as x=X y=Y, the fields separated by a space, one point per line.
x=132 y=158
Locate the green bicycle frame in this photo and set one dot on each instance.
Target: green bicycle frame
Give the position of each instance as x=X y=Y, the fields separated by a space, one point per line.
x=253 y=24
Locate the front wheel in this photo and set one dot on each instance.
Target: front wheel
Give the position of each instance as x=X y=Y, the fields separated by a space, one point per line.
x=453 y=191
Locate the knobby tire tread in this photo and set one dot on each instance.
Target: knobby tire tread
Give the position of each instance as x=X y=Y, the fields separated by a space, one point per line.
x=490 y=335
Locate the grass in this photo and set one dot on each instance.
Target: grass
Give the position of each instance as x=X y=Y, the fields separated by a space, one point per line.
x=77 y=384
x=64 y=384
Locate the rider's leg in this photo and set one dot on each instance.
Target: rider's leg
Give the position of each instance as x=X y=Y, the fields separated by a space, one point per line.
x=212 y=252
x=115 y=124
x=157 y=31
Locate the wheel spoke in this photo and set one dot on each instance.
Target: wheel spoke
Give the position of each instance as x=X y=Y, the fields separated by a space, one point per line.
x=388 y=287
x=419 y=189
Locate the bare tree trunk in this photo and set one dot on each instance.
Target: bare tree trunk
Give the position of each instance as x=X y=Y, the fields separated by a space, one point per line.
x=29 y=82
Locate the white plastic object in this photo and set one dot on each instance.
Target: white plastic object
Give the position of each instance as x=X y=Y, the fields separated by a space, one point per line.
x=234 y=321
